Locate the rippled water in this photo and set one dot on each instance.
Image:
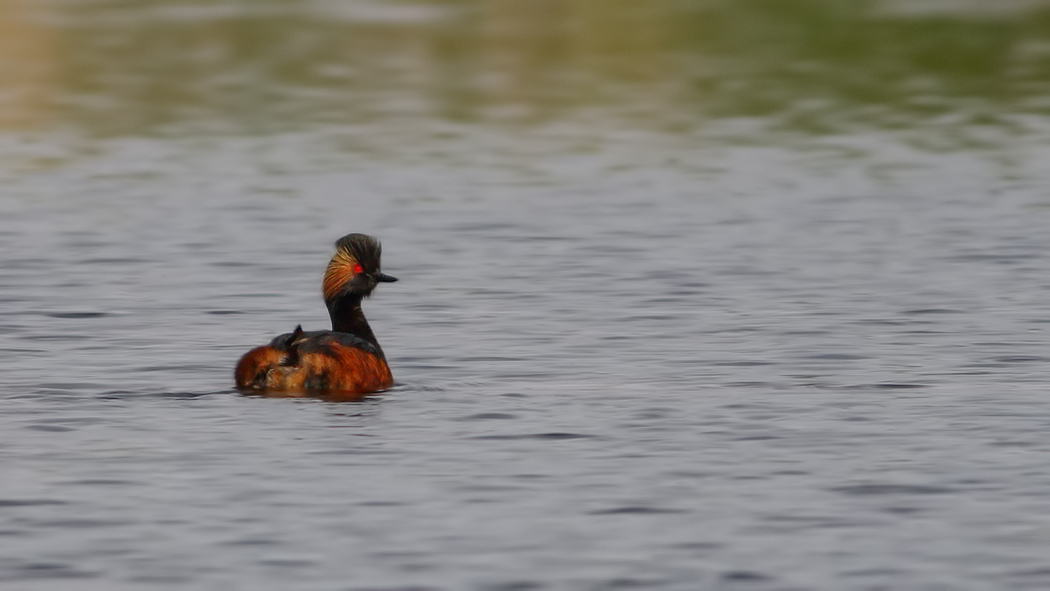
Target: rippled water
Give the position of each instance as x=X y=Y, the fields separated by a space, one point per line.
x=695 y=295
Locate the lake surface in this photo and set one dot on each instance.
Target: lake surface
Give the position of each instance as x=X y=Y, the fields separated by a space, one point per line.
x=730 y=295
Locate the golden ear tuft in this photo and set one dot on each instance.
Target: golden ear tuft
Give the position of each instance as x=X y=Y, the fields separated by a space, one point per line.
x=340 y=270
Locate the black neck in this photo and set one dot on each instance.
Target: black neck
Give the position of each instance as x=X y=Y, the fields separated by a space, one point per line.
x=347 y=317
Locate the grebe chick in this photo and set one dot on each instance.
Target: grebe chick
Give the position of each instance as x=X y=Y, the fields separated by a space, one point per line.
x=344 y=363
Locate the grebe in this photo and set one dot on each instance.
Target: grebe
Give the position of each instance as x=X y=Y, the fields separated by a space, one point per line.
x=346 y=362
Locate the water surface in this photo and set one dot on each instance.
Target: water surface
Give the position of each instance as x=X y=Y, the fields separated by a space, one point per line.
x=694 y=295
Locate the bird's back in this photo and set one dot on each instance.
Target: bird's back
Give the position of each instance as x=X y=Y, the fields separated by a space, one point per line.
x=298 y=362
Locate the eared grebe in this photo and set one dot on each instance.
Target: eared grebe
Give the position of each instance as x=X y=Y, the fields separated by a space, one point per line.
x=346 y=362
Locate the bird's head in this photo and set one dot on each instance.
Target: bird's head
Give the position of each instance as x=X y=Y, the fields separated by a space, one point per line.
x=354 y=270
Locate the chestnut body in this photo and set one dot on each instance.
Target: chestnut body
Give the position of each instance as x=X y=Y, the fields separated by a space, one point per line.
x=344 y=363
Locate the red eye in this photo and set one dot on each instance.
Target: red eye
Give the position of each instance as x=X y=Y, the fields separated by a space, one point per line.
x=358 y=268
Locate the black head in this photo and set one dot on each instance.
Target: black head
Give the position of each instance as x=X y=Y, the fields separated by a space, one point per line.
x=354 y=270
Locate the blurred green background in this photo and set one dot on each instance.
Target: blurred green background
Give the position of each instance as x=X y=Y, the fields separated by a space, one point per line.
x=117 y=68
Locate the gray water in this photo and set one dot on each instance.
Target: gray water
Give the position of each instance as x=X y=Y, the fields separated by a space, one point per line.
x=696 y=295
